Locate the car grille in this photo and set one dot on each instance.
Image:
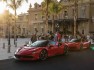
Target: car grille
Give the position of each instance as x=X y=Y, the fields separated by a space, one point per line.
x=23 y=56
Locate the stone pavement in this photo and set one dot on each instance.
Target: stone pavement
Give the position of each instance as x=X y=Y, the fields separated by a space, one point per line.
x=4 y=51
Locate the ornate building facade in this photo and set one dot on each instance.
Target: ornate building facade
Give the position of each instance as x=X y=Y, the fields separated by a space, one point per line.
x=34 y=20
x=84 y=23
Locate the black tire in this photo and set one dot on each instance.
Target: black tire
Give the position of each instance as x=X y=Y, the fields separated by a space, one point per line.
x=43 y=55
x=66 y=50
x=89 y=46
x=81 y=47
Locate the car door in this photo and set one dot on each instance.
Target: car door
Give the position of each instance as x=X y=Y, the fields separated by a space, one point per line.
x=86 y=44
x=60 y=49
x=52 y=50
x=75 y=43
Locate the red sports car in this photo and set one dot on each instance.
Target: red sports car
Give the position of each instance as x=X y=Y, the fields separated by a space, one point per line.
x=40 y=50
x=77 y=44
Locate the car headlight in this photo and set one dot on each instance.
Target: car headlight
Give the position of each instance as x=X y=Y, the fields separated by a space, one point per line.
x=33 y=52
x=18 y=50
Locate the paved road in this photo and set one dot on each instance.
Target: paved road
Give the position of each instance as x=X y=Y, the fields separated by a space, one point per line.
x=83 y=60
x=3 y=51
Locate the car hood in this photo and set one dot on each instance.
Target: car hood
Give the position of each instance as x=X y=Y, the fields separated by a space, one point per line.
x=26 y=50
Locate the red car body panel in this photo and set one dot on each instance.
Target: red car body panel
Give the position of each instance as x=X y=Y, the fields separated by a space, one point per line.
x=31 y=53
x=76 y=45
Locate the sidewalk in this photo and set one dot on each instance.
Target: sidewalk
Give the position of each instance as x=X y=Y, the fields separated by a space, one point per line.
x=21 y=41
x=3 y=52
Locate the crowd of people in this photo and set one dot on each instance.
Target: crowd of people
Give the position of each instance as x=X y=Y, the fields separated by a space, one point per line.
x=57 y=36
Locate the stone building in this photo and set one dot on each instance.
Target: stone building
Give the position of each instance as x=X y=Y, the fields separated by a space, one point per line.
x=22 y=25
x=84 y=15
x=37 y=19
x=66 y=17
x=34 y=20
x=7 y=23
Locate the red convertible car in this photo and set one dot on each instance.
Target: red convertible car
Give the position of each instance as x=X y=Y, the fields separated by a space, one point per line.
x=41 y=49
x=77 y=44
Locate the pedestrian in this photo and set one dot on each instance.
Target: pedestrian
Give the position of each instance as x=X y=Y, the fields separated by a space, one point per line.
x=88 y=37
x=33 y=38
x=66 y=38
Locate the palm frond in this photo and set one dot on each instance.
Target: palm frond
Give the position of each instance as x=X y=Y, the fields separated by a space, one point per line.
x=55 y=8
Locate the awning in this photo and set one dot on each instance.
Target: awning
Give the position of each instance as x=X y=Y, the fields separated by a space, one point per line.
x=79 y=20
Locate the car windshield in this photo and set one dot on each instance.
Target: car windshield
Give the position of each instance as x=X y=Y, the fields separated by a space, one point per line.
x=75 y=40
x=40 y=43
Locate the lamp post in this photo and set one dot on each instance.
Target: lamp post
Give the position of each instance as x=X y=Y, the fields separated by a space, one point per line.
x=8 y=26
x=9 y=45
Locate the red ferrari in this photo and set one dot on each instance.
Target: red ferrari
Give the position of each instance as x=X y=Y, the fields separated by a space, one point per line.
x=77 y=44
x=41 y=49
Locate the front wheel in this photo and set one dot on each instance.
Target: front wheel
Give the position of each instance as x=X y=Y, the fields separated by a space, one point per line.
x=66 y=50
x=43 y=55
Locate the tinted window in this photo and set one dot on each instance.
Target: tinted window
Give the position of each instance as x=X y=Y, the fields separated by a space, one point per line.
x=75 y=40
x=52 y=42
x=39 y=43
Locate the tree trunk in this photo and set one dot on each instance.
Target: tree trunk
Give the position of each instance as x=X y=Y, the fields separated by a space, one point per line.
x=46 y=16
x=15 y=39
x=9 y=45
x=75 y=17
x=90 y=14
x=53 y=23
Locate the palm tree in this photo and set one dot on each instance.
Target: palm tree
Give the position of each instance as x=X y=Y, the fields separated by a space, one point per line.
x=54 y=8
x=45 y=9
x=75 y=16
x=14 y=4
x=90 y=11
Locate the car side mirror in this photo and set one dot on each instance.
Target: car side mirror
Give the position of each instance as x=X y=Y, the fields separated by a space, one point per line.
x=50 y=46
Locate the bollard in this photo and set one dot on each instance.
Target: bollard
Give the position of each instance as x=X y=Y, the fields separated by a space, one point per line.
x=15 y=43
x=9 y=48
x=3 y=45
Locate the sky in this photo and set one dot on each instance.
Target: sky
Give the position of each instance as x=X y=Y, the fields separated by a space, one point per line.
x=23 y=9
x=25 y=6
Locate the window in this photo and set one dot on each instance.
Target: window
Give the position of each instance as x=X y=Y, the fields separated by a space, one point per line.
x=82 y=31
x=83 y=12
x=35 y=16
x=36 y=30
x=40 y=43
x=75 y=40
x=42 y=29
x=48 y=17
x=52 y=42
x=65 y=14
x=42 y=17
